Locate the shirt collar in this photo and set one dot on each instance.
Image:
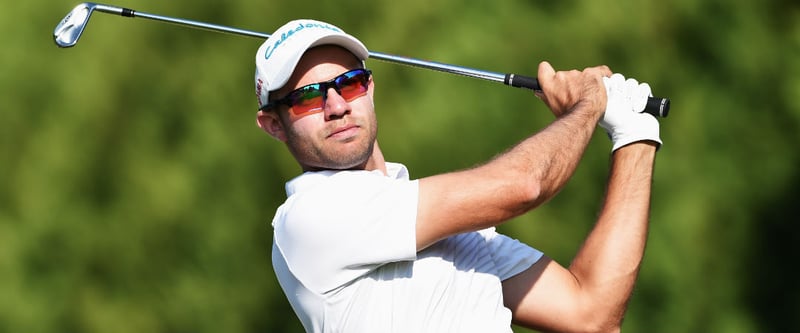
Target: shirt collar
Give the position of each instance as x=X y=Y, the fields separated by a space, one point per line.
x=310 y=178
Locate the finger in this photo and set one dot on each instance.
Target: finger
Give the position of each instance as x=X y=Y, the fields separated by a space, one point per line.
x=614 y=84
x=601 y=70
x=640 y=95
x=617 y=78
x=545 y=77
x=629 y=91
x=546 y=71
x=631 y=84
x=645 y=89
x=545 y=68
x=605 y=71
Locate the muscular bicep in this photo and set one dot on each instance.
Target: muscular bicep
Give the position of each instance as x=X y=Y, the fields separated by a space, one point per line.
x=466 y=201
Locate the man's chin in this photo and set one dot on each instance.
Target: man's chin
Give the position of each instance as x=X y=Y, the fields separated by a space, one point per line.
x=349 y=160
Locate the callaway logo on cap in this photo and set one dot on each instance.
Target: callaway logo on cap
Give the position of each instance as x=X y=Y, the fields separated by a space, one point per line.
x=280 y=53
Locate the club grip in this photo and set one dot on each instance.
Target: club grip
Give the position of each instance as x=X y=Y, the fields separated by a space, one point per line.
x=656 y=106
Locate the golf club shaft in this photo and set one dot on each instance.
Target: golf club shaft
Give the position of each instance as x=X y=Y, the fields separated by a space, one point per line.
x=656 y=106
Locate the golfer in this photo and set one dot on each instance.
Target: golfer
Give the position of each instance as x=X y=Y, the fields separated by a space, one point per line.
x=360 y=246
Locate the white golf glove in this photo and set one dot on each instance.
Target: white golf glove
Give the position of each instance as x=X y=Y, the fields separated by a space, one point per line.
x=623 y=119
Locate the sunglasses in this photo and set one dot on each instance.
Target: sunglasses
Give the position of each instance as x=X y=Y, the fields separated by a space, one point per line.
x=311 y=98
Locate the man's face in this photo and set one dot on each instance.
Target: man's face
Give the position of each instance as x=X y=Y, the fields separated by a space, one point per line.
x=342 y=134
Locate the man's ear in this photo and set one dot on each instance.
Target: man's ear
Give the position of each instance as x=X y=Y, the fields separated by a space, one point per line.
x=271 y=123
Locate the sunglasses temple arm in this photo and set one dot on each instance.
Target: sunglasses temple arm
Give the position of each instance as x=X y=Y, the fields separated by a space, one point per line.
x=656 y=106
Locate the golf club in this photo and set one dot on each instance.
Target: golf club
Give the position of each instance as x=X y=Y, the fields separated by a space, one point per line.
x=69 y=30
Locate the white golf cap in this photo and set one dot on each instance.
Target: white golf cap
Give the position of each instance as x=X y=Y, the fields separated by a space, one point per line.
x=280 y=53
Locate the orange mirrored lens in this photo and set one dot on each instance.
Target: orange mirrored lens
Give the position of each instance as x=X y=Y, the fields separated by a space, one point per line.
x=309 y=99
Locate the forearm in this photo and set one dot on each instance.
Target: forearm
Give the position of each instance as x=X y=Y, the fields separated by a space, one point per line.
x=507 y=186
x=544 y=162
x=526 y=175
x=540 y=166
x=607 y=265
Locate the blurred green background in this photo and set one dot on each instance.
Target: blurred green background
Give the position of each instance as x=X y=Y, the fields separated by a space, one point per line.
x=137 y=192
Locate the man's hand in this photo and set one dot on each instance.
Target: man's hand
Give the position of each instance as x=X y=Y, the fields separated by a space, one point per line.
x=623 y=119
x=563 y=91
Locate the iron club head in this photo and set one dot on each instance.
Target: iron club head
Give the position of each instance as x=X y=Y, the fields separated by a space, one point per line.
x=71 y=27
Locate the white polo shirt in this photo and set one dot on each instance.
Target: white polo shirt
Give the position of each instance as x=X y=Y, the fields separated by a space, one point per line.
x=344 y=251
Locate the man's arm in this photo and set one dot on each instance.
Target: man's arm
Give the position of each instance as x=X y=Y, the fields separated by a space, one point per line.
x=591 y=295
x=523 y=177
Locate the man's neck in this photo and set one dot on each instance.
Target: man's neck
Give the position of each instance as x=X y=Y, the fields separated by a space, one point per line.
x=376 y=161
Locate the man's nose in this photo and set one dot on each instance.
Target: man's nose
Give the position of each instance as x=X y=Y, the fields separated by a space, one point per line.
x=335 y=105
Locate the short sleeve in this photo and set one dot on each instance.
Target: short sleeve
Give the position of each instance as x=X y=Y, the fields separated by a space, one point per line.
x=510 y=256
x=345 y=226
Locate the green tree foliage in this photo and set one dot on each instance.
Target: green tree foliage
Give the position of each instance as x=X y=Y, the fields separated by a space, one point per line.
x=137 y=192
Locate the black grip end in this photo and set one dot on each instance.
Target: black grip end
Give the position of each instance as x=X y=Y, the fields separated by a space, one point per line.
x=521 y=81
x=127 y=12
x=657 y=106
